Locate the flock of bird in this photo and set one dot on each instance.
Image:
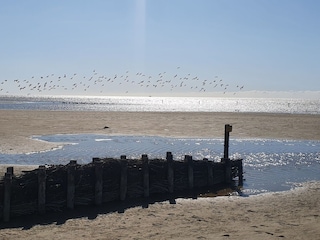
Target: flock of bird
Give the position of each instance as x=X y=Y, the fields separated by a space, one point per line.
x=127 y=83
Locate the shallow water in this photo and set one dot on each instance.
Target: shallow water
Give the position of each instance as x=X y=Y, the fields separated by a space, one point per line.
x=269 y=165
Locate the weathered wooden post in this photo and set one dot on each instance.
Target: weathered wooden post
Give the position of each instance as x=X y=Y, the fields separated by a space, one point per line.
x=240 y=172
x=169 y=158
x=209 y=171
x=42 y=189
x=98 y=181
x=226 y=159
x=7 y=196
x=10 y=170
x=189 y=161
x=123 y=177
x=71 y=184
x=145 y=169
x=227 y=130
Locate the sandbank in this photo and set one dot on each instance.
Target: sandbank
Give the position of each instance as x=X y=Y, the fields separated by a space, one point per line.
x=17 y=127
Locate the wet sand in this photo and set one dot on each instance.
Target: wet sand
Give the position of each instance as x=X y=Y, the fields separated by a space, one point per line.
x=286 y=215
x=16 y=127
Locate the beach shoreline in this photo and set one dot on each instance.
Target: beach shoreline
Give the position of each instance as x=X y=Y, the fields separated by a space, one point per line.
x=287 y=215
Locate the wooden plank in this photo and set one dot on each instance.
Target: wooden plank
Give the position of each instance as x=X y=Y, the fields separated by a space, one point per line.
x=71 y=184
x=145 y=170
x=98 y=182
x=7 y=196
x=170 y=172
x=209 y=171
x=227 y=166
x=42 y=189
x=123 y=178
x=10 y=170
x=189 y=161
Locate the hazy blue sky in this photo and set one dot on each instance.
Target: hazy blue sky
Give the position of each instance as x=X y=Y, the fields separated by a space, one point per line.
x=159 y=46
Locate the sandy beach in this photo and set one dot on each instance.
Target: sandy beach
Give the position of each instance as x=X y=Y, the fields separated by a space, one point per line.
x=285 y=215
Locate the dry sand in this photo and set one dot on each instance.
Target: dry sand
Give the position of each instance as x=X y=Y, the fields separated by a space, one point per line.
x=286 y=215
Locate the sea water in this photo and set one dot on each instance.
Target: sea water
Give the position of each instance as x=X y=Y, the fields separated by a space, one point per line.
x=167 y=104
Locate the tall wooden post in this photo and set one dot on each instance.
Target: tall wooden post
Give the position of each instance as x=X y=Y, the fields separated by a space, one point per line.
x=42 y=189
x=170 y=172
x=226 y=159
x=240 y=172
x=145 y=169
x=7 y=196
x=123 y=177
x=227 y=130
x=71 y=184
x=98 y=181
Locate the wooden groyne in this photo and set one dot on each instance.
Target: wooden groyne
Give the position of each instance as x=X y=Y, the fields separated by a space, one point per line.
x=56 y=188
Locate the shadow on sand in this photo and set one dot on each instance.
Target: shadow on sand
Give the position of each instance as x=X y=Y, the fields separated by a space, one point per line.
x=91 y=212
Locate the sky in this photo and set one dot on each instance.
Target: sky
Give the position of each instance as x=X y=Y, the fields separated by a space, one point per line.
x=112 y=47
